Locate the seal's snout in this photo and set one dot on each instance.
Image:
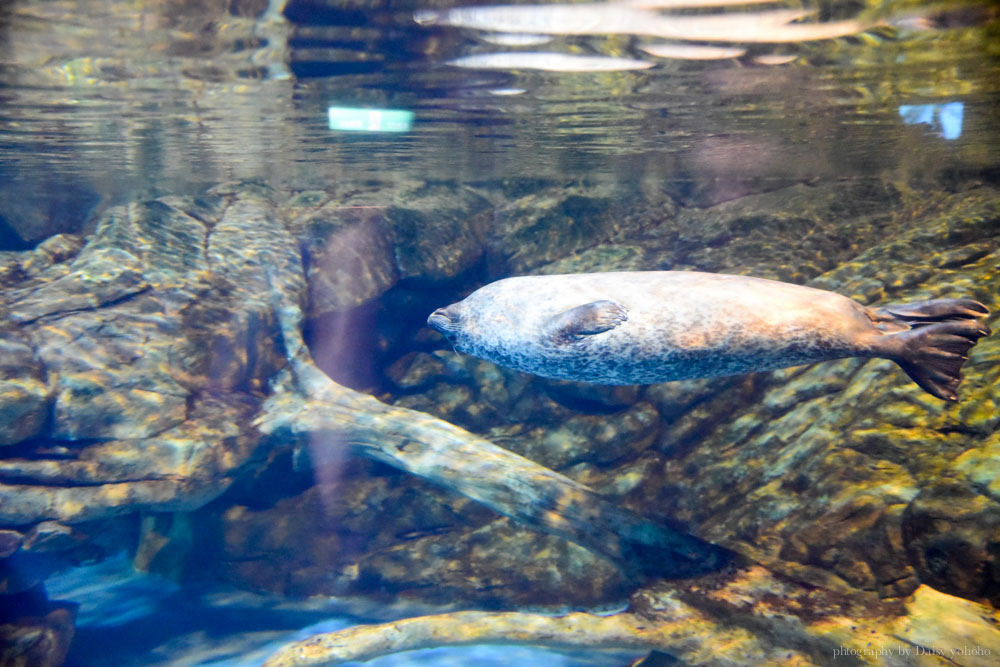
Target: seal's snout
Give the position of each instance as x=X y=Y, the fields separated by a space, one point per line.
x=442 y=320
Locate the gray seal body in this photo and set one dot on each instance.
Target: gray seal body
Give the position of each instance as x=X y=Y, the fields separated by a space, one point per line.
x=656 y=326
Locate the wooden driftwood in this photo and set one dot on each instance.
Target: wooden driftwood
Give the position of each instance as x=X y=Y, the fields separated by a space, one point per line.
x=746 y=617
x=365 y=642
x=682 y=631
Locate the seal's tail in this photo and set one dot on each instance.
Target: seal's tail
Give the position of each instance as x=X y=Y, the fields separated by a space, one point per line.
x=934 y=340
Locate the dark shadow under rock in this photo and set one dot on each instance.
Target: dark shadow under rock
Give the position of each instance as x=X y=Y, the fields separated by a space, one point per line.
x=34 y=631
x=952 y=535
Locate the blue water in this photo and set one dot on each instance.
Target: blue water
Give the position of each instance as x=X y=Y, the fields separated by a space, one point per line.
x=104 y=104
x=128 y=618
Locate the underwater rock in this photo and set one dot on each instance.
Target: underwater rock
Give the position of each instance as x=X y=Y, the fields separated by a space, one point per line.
x=447 y=401
x=463 y=390
x=349 y=256
x=35 y=632
x=358 y=243
x=361 y=531
x=952 y=535
x=438 y=230
x=585 y=397
x=10 y=541
x=24 y=394
x=18 y=267
x=179 y=469
x=127 y=345
x=674 y=399
x=109 y=367
x=599 y=439
x=35 y=211
x=815 y=469
x=791 y=234
x=417 y=370
x=496 y=565
x=414 y=545
x=609 y=256
x=555 y=223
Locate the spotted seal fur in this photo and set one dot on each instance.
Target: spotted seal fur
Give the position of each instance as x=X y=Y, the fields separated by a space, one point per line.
x=655 y=326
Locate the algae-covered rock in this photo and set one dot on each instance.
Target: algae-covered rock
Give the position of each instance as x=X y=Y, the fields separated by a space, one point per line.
x=35 y=210
x=417 y=370
x=463 y=390
x=495 y=565
x=133 y=364
x=586 y=397
x=438 y=230
x=350 y=255
x=600 y=439
x=792 y=234
x=558 y=222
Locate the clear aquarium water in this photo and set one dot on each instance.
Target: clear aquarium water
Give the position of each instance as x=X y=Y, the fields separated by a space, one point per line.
x=248 y=415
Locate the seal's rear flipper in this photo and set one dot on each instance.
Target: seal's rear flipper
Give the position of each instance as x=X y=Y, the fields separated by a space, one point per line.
x=937 y=310
x=933 y=354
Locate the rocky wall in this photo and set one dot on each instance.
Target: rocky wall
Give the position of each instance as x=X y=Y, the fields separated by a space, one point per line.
x=791 y=469
x=136 y=359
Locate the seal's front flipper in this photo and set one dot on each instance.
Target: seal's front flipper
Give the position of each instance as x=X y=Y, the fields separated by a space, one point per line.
x=586 y=320
x=933 y=354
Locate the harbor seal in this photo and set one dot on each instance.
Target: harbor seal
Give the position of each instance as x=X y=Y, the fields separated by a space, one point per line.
x=645 y=327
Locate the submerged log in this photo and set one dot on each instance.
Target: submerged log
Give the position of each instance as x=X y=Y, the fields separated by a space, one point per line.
x=512 y=485
x=463 y=628
x=741 y=616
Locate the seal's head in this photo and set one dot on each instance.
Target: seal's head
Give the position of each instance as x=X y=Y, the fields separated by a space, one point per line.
x=446 y=320
x=464 y=326
x=453 y=323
